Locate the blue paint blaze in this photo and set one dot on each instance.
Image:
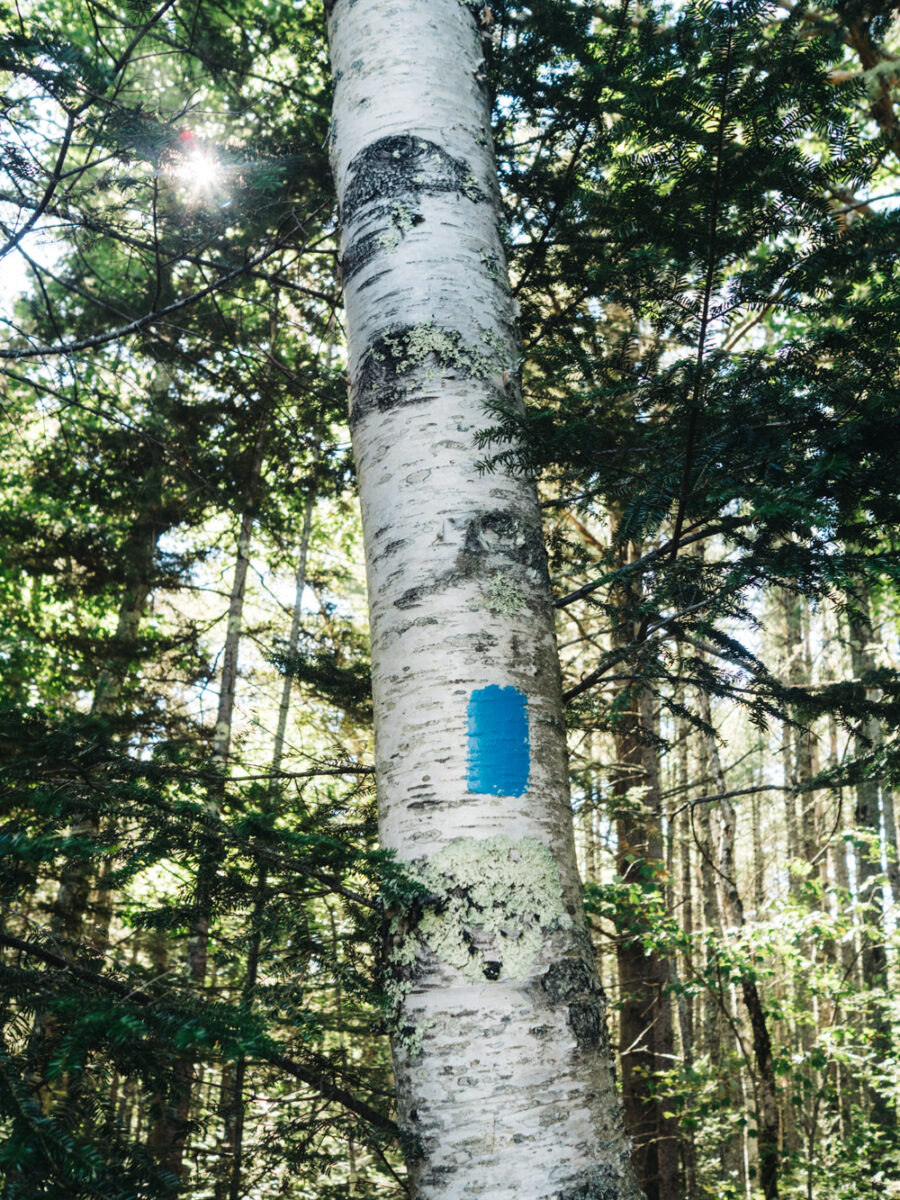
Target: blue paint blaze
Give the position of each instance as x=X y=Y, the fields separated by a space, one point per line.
x=499 y=755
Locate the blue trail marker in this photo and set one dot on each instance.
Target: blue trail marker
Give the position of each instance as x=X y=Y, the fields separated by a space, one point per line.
x=499 y=755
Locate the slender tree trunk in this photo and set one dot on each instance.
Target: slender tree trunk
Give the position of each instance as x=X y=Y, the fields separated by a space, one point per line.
x=352 y=1174
x=503 y=1072
x=74 y=896
x=646 y=1044
x=806 y=746
x=800 y=768
x=766 y=1087
x=80 y=892
x=686 y=864
x=787 y=607
x=889 y=820
x=170 y=1138
x=711 y=1019
x=847 y=949
x=759 y=871
x=869 y=848
x=229 y=1183
x=589 y=812
x=293 y=641
x=685 y=999
x=718 y=1041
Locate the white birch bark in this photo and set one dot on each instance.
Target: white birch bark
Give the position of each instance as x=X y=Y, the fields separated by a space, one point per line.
x=504 y=1082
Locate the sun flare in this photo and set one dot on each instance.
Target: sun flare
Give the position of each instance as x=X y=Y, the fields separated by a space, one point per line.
x=199 y=170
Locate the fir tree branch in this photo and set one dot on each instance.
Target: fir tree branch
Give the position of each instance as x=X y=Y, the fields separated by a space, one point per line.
x=152 y=318
x=72 y=116
x=751 y=791
x=59 y=963
x=49 y=191
x=539 y=249
x=331 y=1091
x=649 y=557
x=694 y=418
x=324 y=1086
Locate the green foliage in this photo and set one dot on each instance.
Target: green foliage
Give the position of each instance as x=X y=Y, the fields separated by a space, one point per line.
x=134 y=462
x=710 y=315
x=709 y=333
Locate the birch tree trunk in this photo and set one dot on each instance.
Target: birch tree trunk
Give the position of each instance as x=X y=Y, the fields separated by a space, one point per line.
x=504 y=1083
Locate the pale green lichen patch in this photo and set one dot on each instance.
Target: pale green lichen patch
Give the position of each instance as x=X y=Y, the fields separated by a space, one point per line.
x=491 y=263
x=500 y=347
x=470 y=187
x=409 y=1036
x=389 y=239
x=504 y=596
x=412 y=347
x=483 y=906
x=493 y=902
x=402 y=220
x=403 y=217
x=429 y=351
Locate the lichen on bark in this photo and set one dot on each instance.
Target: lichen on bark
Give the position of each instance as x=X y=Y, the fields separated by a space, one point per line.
x=492 y=901
x=383 y=378
x=599 y=1183
x=504 y=596
x=404 y=165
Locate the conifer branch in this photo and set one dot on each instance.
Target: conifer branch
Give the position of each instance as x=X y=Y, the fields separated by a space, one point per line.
x=712 y=262
x=152 y=318
x=651 y=556
x=324 y=1086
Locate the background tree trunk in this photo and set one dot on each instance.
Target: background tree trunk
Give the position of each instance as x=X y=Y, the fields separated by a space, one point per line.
x=228 y=1185
x=169 y=1138
x=869 y=844
x=646 y=1042
x=732 y=905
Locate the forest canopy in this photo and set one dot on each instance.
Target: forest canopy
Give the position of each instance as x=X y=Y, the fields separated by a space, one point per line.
x=700 y=220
